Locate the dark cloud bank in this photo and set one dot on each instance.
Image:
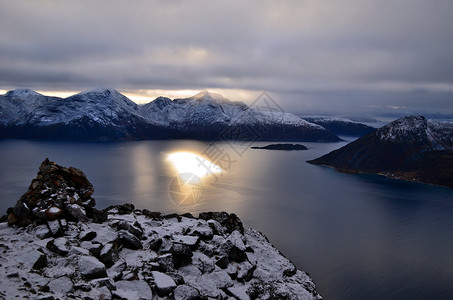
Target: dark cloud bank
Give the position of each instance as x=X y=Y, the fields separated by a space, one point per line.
x=361 y=55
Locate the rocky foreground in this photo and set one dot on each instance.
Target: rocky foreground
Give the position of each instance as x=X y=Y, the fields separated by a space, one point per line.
x=56 y=245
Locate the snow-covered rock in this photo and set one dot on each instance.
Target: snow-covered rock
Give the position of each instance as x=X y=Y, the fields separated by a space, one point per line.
x=109 y=265
x=90 y=267
x=137 y=274
x=164 y=283
x=133 y=290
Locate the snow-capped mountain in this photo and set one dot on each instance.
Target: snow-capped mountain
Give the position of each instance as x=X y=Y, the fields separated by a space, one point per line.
x=91 y=115
x=340 y=126
x=102 y=106
x=412 y=147
x=417 y=130
x=14 y=105
x=212 y=114
x=107 y=114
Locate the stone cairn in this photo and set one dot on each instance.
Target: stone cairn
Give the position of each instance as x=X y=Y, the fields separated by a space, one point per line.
x=56 y=193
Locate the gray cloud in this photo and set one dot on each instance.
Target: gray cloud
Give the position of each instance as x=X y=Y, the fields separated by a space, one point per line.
x=332 y=55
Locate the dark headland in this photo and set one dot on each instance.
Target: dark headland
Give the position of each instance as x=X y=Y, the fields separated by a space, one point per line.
x=411 y=148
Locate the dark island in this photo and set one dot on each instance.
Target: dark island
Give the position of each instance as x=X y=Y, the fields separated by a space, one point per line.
x=287 y=147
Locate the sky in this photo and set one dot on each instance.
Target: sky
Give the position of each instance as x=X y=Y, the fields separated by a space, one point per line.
x=336 y=56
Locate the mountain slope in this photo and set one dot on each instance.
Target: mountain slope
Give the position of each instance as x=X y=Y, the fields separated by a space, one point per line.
x=208 y=115
x=14 y=105
x=91 y=115
x=341 y=126
x=409 y=148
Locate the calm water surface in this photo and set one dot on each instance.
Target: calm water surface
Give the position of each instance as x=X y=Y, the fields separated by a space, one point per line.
x=359 y=236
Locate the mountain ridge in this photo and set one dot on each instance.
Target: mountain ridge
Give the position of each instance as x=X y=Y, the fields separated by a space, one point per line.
x=340 y=126
x=106 y=114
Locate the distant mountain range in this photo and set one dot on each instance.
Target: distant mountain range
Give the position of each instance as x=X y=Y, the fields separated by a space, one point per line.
x=341 y=126
x=106 y=114
x=410 y=148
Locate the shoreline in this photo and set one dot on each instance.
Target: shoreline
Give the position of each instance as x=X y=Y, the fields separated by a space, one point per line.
x=386 y=175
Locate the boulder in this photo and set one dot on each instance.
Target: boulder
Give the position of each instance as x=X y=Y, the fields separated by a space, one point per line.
x=87 y=235
x=12 y=219
x=42 y=231
x=204 y=231
x=62 y=285
x=55 y=228
x=77 y=212
x=190 y=241
x=164 y=283
x=41 y=262
x=109 y=255
x=90 y=267
x=126 y=208
x=58 y=246
x=133 y=229
x=132 y=290
x=221 y=279
x=51 y=213
x=234 y=247
x=182 y=255
x=241 y=294
x=21 y=210
x=129 y=240
x=152 y=214
x=185 y=292
x=230 y=221
x=223 y=262
x=166 y=263
x=155 y=244
x=203 y=262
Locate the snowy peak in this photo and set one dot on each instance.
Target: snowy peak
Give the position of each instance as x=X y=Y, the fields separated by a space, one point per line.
x=25 y=96
x=410 y=128
x=17 y=104
x=105 y=97
x=418 y=130
x=340 y=126
x=205 y=95
x=101 y=93
x=161 y=102
x=23 y=93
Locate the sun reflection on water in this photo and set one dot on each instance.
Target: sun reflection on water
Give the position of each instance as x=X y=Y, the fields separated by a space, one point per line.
x=188 y=162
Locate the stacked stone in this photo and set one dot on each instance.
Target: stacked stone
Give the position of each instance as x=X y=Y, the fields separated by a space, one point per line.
x=56 y=193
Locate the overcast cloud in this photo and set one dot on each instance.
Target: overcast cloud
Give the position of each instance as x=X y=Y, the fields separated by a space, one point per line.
x=311 y=55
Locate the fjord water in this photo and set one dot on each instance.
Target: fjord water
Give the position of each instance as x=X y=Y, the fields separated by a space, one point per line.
x=359 y=236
